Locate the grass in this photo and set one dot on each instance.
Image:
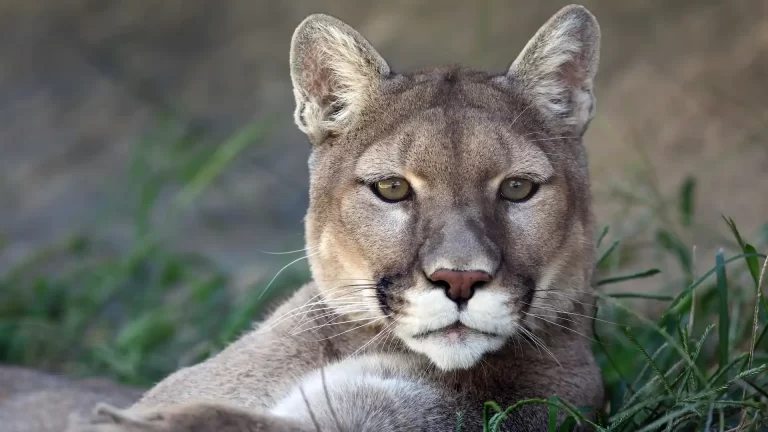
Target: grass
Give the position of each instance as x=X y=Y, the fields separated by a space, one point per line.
x=138 y=314
x=700 y=366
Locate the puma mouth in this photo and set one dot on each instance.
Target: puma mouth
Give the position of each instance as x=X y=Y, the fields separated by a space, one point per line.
x=453 y=332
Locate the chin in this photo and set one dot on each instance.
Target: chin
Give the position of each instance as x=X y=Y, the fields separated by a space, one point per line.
x=453 y=349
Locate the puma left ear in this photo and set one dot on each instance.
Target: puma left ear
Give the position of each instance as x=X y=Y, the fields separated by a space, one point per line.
x=557 y=67
x=335 y=73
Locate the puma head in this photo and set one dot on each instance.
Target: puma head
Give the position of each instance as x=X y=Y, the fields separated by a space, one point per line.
x=449 y=205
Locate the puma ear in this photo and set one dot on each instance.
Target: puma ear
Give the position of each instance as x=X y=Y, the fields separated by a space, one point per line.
x=335 y=74
x=557 y=66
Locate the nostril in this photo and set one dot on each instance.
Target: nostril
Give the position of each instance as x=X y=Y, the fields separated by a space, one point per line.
x=442 y=284
x=459 y=286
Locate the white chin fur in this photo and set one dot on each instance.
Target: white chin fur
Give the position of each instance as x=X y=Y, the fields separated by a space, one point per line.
x=431 y=311
x=451 y=355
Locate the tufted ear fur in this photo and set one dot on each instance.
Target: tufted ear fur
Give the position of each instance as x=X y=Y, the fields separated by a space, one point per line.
x=335 y=73
x=557 y=66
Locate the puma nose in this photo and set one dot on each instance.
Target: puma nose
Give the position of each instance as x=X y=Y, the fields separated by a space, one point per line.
x=460 y=284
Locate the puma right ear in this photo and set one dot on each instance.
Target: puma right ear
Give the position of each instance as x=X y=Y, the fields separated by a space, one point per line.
x=557 y=67
x=335 y=74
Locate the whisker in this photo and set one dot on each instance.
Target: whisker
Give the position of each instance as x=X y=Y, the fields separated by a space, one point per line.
x=525 y=332
x=330 y=324
x=300 y=310
x=570 y=313
x=539 y=328
x=285 y=253
x=553 y=138
x=561 y=290
x=352 y=329
x=540 y=343
x=331 y=312
x=373 y=338
x=391 y=342
x=562 y=326
x=345 y=279
x=309 y=306
x=562 y=318
x=520 y=114
x=283 y=269
x=568 y=298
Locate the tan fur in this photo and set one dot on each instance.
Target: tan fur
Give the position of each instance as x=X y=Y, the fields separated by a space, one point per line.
x=365 y=346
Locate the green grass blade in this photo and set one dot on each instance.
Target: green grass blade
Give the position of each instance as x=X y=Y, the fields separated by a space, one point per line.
x=617 y=420
x=649 y=360
x=738 y=360
x=568 y=425
x=640 y=375
x=651 y=383
x=760 y=338
x=639 y=275
x=732 y=225
x=752 y=262
x=607 y=253
x=613 y=363
x=763 y=392
x=687 y=192
x=487 y=407
x=553 y=411
x=750 y=255
x=459 y=421
x=600 y=238
x=672 y=308
x=659 y=297
x=673 y=244
x=219 y=161
x=723 y=345
x=691 y=383
x=497 y=420
x=653 y=426
x=656 y=329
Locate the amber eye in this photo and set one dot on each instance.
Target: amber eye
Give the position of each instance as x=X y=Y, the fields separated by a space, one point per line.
x=392 y=189
x=517 y=189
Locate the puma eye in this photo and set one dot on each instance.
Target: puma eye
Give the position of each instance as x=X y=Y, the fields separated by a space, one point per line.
x=392 y=189
x=517 y=189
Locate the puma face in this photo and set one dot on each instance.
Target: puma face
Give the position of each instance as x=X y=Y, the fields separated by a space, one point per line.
x=449 y=206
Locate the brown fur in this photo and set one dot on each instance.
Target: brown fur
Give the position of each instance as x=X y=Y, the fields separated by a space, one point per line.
x=454 y=134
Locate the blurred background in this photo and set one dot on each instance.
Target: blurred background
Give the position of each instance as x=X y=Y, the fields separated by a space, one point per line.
x=148 y=157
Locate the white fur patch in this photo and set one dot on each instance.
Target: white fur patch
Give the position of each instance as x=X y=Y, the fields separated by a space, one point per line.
x=355 y=372
x=431 y=311
x=451 y=355
x=338 y=386
x=427 y=311
x=489 y=311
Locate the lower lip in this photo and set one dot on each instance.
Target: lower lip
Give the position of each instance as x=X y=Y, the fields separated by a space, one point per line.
x=454 y=335
x=455 y=332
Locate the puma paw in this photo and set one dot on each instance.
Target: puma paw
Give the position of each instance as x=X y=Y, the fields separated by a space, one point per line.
x=107 y=418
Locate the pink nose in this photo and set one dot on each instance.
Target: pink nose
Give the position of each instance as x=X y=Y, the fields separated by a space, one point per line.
x=461 y=284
